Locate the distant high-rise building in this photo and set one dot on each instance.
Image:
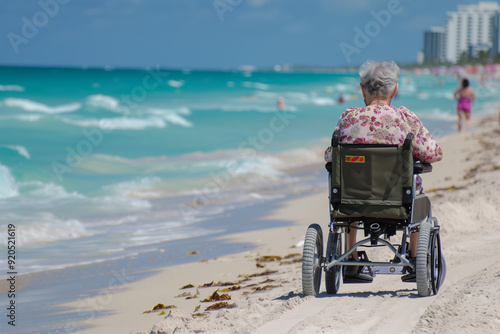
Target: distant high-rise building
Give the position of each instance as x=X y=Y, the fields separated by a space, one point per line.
x=420 y=57
x=434 y=45
x=471 y=29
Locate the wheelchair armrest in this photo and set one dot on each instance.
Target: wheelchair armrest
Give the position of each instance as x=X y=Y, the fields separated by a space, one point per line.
x=421 y=167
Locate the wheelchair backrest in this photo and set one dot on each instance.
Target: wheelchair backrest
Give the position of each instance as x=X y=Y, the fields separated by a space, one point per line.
x=372 y=181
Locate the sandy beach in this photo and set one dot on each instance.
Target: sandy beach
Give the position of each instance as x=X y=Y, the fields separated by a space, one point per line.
x=162 y=163
x=262 y=291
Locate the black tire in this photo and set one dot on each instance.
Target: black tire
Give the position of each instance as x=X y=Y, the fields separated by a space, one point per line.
x=312 y=258
x=333 y=275
x=436 y=265
x=424 y=265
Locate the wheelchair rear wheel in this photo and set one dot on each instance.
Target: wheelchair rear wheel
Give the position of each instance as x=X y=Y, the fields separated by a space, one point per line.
x=312 y=258
x=333 y=251
x=425 y=258
x=436 y=265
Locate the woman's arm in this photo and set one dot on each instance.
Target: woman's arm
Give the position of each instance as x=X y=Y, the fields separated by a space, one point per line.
x=328 y=151
x=425 y=147
x=473 y=95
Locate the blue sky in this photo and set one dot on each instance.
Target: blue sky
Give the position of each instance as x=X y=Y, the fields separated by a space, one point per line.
x=215 y=34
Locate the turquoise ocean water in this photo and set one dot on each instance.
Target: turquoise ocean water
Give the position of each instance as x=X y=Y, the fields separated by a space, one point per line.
x=103 y=164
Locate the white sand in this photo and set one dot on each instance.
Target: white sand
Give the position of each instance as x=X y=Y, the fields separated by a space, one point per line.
x=467 y=206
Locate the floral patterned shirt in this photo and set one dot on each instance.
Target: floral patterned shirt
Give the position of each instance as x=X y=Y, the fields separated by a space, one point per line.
x=383 y=124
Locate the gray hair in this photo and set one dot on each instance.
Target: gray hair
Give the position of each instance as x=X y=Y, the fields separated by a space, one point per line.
x=379 y=78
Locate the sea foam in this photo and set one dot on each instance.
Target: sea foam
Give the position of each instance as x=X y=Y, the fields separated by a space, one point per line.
x=48 y=191
x=46 y=227
x=176 y=83
x=28 y=196
x=105 y=102
x=257 y=85
x=11 y=88
x=8 y=185
x=173 y=115
x=118 y=123
x=139 y=188
x=24 y=118
x=33 y=106
x=323 y=101
x=21 y=150
x=437 y=114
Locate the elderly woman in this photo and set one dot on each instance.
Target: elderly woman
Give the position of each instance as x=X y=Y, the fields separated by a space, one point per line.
x=380 y=123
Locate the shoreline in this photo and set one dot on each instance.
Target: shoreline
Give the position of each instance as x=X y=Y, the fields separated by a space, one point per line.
x=57 y=233
x=67 y=297
x=279 y=241
x=226 y=269
x=103 y=307
x=282 y=308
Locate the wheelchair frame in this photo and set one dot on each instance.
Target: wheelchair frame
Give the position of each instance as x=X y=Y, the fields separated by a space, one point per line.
x=429 y=265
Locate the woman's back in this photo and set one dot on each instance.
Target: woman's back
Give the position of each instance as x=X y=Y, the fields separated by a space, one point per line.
x=467 y=93
x=384 y=124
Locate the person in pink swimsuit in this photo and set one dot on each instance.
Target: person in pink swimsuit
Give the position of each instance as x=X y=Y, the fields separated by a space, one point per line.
x=465 y=96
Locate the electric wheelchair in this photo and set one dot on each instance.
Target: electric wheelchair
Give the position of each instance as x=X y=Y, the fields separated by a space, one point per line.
x=374 y=188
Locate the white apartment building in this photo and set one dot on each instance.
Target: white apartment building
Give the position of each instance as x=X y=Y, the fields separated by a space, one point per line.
x=471 y=29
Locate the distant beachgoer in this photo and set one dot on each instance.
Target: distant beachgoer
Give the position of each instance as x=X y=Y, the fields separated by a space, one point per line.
x=465 y=96
x=281 y=103
x=341 y=98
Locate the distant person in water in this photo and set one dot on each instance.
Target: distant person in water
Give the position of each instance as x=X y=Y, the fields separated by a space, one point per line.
x=281 y=103
x=341 y=98
x=465 y=96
